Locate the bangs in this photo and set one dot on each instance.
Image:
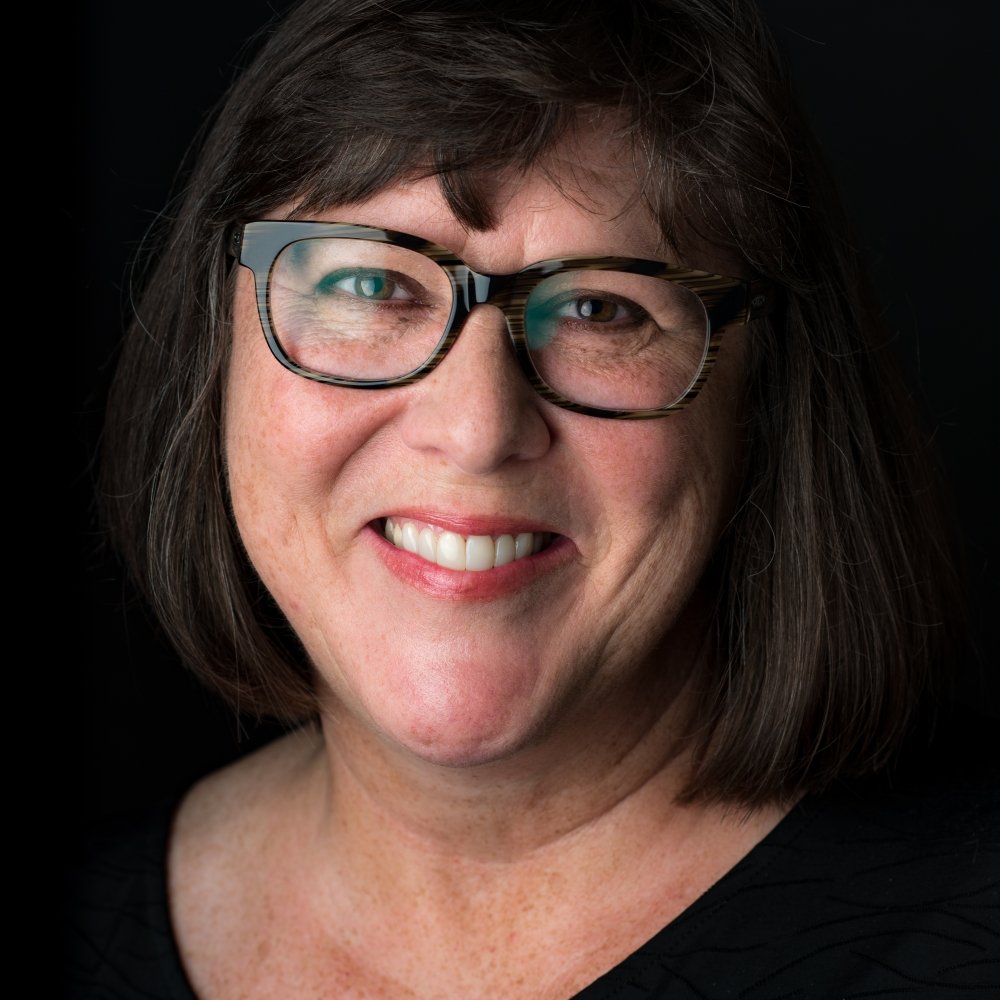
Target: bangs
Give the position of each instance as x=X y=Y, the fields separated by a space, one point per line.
x=467 y=170
x=376 y=95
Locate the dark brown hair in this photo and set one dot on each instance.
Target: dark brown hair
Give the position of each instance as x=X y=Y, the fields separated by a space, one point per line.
x=836 y=596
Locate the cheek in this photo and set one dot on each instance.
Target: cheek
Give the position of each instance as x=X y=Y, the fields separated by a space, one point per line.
x=256 y=447
x=285 y=436
x=278 y=441
x=298 y=454
x=667 y=497
x=676 y=478
x=668 y=488
x=714 y=435
x=258 y=429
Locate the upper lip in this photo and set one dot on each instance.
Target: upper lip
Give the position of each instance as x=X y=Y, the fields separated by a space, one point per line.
x=471 y=524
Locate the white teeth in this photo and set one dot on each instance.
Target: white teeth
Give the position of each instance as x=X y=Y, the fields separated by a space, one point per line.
x=427 y=546
x=479 y=552
x=504 y=552
x=524 y=545
x=410 y=536
x=451 y=550
x=454 y=551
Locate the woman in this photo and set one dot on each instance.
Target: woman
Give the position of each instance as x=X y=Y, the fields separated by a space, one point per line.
x=506 y=413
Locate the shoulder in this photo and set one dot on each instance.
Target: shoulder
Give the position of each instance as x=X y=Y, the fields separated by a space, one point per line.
x=881 y=886
x=922 y=838
x=131 y=877
x=913 y=849
x=892 y=881
x=232 y=836
x=117 y=920
x=229 y=809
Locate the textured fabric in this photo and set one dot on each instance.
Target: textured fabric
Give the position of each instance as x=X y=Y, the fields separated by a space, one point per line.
x=120 y=941
x=876 y=889
x=860 y=893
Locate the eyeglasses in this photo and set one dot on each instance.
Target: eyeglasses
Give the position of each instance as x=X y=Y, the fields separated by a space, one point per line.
x=373 y=309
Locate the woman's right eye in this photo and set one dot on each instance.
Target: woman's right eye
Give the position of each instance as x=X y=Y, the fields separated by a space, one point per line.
x=369 y=285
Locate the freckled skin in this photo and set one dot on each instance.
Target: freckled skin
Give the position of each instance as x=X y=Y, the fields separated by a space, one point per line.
x=486 y=807
x=312 y=464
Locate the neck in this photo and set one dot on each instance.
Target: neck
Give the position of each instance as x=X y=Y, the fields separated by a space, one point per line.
x=577 y=837
x=606 y=776
x=538 y=839
x=499 y=811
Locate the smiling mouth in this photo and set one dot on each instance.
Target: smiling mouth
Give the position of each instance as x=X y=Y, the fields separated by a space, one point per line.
x=451 y=550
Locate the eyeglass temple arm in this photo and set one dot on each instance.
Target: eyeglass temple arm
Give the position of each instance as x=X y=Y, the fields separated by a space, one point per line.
x=762 y=299
x=234 y=240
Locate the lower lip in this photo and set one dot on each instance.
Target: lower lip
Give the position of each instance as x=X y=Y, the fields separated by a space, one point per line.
x=468 y=585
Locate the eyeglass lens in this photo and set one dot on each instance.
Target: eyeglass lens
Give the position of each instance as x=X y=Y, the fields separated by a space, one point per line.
x=367 y=310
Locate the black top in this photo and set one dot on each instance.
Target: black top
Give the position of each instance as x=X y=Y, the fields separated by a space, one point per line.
x=878 y=888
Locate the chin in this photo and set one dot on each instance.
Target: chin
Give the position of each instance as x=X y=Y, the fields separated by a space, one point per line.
x=462 y=724
x=463 y=738
x=461 y=753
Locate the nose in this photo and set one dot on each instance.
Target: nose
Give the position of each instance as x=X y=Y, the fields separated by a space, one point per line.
x=476 y=409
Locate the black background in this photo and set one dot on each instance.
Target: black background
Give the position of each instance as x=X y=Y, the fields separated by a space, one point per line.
x=901 y=96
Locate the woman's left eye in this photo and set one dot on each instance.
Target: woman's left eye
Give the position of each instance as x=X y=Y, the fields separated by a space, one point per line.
x=597 y=310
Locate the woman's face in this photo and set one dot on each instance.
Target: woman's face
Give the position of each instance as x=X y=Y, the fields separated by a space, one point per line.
x=461 y=667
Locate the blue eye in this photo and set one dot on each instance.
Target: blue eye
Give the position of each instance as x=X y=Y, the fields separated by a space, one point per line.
x=373 y=286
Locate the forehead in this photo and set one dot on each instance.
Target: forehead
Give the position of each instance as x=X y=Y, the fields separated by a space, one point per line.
x=584 y=197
